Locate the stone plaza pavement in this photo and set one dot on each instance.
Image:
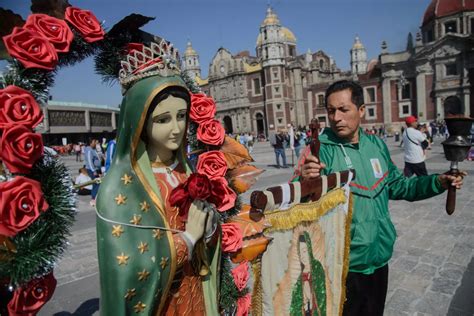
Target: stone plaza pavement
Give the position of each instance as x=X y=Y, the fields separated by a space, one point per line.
x=431 y=272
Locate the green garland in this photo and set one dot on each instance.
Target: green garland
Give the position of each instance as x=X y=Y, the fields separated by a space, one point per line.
x=44 y=241
x=229 y=294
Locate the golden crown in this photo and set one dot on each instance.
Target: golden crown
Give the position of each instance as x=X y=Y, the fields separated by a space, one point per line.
x=159 y=59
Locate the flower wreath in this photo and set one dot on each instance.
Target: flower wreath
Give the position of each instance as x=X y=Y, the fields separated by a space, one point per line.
x=37 y=205
x=222 y=172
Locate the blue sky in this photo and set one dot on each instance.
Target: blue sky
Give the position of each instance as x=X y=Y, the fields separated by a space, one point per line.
x=328 y=25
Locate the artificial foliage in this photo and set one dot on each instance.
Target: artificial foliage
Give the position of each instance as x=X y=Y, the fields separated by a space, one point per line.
x=78 y=51
x=36 y=81
x=44 y=241
x=228 y=292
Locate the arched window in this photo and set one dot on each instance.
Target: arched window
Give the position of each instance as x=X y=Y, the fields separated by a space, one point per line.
x=321 y=64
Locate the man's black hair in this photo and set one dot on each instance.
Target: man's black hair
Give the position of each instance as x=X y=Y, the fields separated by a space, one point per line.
x=356 y=91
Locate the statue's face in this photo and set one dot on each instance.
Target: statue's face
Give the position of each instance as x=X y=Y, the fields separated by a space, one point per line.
x=165 y=127
x=304 y=256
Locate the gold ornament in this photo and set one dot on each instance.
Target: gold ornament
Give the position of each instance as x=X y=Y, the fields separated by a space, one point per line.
x=122 y=259
x=136 y=220
x=140 y=307
x=164 y=262
x=143 y=275
x=156 y=233
x=130 y=294
x=120 y=199
x=143 y=247
x=117 y=230
x=126 y=179
x=144 y=206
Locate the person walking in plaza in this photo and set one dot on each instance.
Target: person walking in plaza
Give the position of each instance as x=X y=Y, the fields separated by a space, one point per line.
x=345 y=146
x=279 y=147
x=110 y=151
x=93 y=166
x=77 y=151
x=414 y=143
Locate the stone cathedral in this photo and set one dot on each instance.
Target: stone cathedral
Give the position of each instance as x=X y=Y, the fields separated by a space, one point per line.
x=277 y=86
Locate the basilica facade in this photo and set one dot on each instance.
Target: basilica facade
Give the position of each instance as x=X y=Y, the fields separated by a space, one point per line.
x=277 y=86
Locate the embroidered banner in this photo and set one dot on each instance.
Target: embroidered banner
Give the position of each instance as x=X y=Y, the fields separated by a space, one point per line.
x=304 y=268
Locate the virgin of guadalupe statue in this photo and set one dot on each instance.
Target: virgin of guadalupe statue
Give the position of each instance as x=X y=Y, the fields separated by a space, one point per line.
x=146 y=258
x=309 y=292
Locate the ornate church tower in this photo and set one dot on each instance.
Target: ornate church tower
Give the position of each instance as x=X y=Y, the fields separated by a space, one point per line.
x=191 y=62
x=270 y=47
x=358 y=57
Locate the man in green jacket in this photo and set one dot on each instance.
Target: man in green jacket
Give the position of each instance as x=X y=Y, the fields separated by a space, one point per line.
x=346 y=146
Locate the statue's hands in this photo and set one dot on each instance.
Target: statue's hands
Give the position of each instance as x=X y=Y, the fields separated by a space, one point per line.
x=196 y=222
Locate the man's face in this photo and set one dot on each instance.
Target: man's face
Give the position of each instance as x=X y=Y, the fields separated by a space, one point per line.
x=344 y=116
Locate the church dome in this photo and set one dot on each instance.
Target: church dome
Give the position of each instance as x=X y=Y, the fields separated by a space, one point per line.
x=441 y=8
x=271 y=18
x=288 y=35
x=357 y=43
x=190 y=50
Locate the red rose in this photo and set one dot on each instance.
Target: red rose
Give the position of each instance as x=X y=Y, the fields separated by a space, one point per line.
x=202 y=109
x=86 y=23
x=211 y=132
x=21 y=202
x=231 y=237
x=222 y=195
x=18 y=106
x=20 y=148
x=55 y=30
x=243 y=305
x=31 y=48
x=212 y=164
x=28 y=300
x=199 y=187
x=241 y=275
x=179 y=198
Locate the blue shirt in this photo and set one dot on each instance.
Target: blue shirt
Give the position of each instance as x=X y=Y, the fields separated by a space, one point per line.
x=109 y=155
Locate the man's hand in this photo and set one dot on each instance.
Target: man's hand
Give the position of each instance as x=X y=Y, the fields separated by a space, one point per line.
x=449 y=180
x=311 y=168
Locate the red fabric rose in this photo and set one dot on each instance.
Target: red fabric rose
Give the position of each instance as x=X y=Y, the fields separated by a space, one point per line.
x=222 y=195
x=31 y=48
x=179 y=198
x=86 y=23
x=28 y=300
x=212 y=164
x=241 y=275
x=21 y=202
x=243 y=305
x=18 y=106
x=20 y=148
x=55 y=30
x=202 y=108
x=199 y=187
x=231 y=237
x=196 y=187
x=211 y=132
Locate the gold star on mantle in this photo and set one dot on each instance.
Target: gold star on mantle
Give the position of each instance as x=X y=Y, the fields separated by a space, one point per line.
x=130 y=294
x=143 y=247
x=122 y=259
x=117 y=231
x=126 y=179
x=140 y=307
x=136 y=220
x=143 y=275
x=164 y=262
x=144 y=206
x=156 y=233
x=120 y=199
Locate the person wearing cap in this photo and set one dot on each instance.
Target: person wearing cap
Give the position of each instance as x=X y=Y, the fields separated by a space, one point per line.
x=414 y=142
x=346 y=146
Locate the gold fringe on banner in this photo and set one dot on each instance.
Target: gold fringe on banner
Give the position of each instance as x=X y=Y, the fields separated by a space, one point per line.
x=257 y=296
x=346 y=254
x=305 y=212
